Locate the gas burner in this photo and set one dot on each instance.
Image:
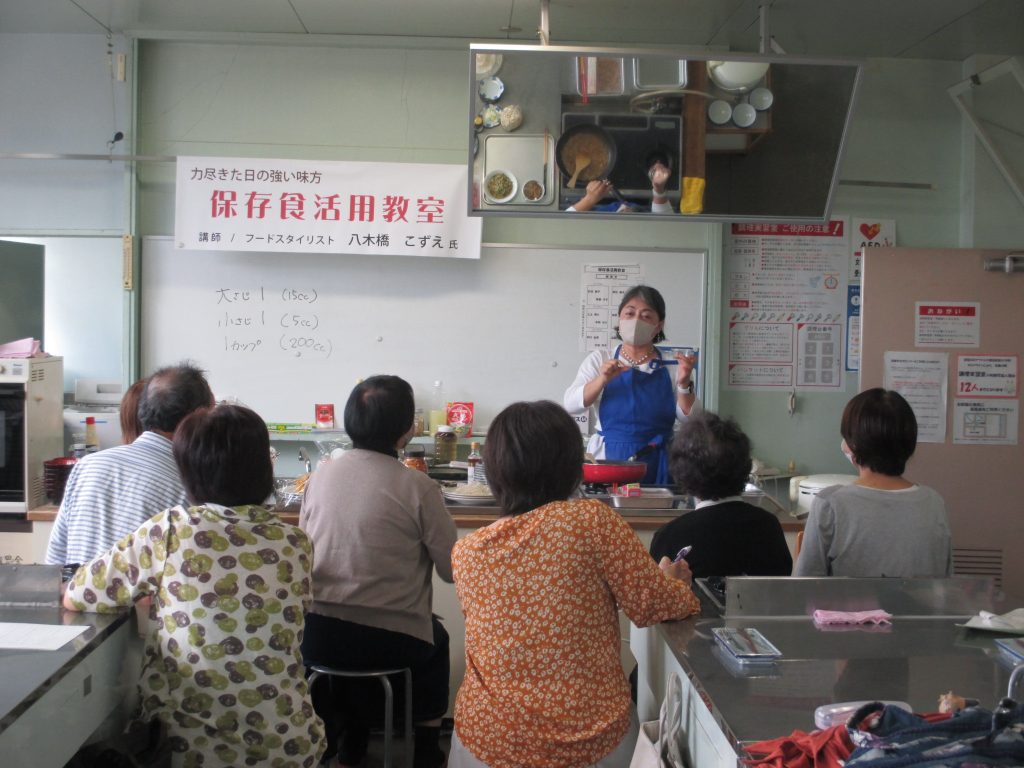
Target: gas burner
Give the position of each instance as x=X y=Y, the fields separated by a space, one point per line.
x=596 y=489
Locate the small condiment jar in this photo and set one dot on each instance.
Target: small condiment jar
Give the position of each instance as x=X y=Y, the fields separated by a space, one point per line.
x=446 y=445
x=415 y=457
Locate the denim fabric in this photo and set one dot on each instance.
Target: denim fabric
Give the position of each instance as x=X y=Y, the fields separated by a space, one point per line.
x=973 y=737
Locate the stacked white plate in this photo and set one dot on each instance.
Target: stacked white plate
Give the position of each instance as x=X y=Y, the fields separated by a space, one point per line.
x=480 y=498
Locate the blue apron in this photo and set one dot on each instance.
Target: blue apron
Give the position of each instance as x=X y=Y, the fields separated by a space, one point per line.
x=638 y=409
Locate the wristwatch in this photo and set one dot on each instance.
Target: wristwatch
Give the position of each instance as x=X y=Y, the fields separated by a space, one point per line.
x=687 y=390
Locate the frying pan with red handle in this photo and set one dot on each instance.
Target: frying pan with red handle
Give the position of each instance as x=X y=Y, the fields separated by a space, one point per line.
x=607 y=472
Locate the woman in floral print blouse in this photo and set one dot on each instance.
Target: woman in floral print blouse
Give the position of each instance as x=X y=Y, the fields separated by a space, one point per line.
x=540 y=589
x=229 y=582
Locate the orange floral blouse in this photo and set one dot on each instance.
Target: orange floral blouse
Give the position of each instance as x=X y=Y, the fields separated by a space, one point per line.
x=544 y=686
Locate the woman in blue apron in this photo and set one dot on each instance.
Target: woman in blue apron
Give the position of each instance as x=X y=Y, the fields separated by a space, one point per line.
x=638 y=395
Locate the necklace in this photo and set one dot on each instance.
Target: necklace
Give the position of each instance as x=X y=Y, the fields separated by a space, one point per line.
x=639 y=361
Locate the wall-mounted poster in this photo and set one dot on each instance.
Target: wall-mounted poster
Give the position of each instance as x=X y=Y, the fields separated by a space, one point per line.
x=786 y=305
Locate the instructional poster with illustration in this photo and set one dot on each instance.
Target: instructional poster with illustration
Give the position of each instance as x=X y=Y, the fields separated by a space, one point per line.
x=602 y=289
x=786 y=305
x=986 y=410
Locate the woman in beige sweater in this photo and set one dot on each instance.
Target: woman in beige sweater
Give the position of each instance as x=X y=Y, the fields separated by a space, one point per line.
x=379 y=529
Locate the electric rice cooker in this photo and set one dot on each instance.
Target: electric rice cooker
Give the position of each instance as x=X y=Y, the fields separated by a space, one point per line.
x=804 y=488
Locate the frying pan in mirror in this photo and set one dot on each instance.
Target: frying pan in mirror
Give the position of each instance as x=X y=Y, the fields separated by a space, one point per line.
x=593 y=142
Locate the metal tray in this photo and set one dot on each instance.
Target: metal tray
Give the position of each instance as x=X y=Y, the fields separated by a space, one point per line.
x=653 y=498
x=656 y=73
x=521 y=154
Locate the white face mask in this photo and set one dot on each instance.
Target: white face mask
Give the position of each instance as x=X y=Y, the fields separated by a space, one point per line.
x=846 y=452
x=636 y=332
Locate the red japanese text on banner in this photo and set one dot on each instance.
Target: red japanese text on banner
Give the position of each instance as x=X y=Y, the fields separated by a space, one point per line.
x=324 y=206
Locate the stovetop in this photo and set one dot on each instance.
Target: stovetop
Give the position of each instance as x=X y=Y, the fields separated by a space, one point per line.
x=637 y=138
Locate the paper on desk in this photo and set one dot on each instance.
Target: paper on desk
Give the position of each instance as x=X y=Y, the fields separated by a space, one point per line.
x=37 y=637
x=1008 y=623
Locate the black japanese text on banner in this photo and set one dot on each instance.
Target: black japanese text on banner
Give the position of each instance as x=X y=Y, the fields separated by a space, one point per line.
x=324 y=206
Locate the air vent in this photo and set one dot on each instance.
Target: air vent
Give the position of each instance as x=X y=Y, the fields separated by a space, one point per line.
x=979 y=562
x=38 y=373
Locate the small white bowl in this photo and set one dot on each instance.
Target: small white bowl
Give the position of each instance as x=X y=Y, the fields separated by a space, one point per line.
x=719 y=112
x=761 y=99
x=744 y=115
x=492 y=198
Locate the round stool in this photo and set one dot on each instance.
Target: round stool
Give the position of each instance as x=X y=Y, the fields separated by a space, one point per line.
x=384 y=676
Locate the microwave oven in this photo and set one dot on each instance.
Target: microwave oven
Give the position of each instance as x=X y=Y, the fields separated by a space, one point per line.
x=31 y=429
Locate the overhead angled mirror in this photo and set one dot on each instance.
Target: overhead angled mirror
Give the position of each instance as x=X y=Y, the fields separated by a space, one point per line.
x=565 y=131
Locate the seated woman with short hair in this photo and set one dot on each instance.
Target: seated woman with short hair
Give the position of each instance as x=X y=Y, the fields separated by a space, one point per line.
x=540 y=589
x=229 y=581
x=380 y=529
x=710 y=459
x=882 y=524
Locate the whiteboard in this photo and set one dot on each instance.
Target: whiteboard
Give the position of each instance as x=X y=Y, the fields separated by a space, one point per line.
x=282 y=332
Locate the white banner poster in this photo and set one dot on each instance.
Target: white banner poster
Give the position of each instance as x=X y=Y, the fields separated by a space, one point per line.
x=324 y=206
x=923 y=380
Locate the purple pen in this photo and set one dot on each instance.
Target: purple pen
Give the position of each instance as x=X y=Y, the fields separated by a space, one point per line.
x=682 y=553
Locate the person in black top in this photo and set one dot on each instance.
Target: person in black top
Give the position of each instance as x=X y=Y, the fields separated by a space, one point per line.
x=710 y=459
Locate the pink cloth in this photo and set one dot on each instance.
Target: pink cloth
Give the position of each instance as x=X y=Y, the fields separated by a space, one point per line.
x=876 y=616
x=20 y=348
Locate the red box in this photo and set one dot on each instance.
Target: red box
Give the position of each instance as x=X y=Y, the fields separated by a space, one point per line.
x=460 y=416
x=325 y=415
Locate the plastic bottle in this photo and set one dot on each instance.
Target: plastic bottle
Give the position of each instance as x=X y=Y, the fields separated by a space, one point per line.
x=92 y=440
x=446 y=445
x=475 y=472
x=438 y=407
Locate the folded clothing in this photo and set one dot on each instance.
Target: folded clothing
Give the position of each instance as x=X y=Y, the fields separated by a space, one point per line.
x=876 y=616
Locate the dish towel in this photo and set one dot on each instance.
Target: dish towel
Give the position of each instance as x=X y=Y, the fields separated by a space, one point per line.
x=876 y=616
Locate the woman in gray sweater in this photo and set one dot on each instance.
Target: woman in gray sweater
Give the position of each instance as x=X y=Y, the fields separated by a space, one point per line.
x=882 y=524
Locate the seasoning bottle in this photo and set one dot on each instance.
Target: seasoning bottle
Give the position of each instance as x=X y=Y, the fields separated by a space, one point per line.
x=92 y=440
x=475 y=472
x=445 y=445
x=415 y=457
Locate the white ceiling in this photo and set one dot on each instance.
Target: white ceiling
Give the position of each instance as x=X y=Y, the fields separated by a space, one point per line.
x=922 y=29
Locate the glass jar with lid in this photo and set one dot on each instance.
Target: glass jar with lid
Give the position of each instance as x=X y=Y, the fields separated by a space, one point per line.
x=415 y=457
x=446 y=445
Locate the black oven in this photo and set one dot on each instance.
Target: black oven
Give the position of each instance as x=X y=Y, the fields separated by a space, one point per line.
x=12 y=445
x=31 y=429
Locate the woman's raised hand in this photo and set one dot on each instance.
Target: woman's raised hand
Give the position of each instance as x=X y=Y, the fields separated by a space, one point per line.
x=612 y=368
x=686 y=363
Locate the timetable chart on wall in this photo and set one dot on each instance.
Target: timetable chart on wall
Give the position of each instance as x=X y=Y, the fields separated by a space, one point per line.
x=785 y=312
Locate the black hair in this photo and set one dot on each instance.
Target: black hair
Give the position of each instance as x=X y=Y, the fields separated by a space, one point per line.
x=379 y=412
x=223 y=454
x=171 y=394
x=651 y=297
x=533 y=455
x=710 y=457
x=880 y=430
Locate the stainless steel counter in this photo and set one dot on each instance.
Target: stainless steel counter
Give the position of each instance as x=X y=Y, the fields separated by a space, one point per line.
x=917 y=658
x=70 y=690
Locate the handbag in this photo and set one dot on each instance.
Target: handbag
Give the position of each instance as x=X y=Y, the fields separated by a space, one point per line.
x=662 y=743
